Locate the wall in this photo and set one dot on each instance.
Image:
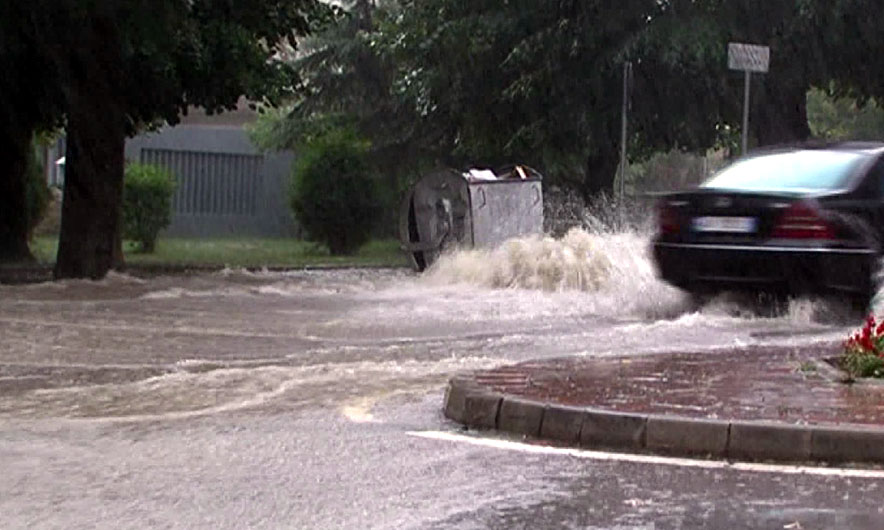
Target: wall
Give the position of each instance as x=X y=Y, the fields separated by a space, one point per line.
x=225 y=186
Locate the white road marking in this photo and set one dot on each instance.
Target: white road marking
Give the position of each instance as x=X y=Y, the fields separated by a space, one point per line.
x=509 y=445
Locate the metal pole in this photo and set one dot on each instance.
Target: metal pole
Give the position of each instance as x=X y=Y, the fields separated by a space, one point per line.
x=746 y=88
x=626 y=67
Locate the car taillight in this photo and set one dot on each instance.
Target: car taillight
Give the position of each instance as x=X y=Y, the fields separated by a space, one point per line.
x=667 y=219
x=802 y=221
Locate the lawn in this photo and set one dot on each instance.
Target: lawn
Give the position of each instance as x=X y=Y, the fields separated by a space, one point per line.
x=244 y=252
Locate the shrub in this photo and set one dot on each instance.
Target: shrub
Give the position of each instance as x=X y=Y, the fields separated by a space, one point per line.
x=37 y=193
x=333 y=194
x=147 y=203
x=863 y=354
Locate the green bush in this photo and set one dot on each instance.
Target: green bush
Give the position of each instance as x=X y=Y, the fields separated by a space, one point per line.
x=147 y=203
x=37 y=193
x=333 y=194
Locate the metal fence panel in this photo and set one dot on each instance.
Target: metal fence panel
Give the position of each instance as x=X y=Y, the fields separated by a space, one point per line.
x=225 y=186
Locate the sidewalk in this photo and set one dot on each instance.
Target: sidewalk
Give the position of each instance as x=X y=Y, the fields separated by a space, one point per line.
x=776 y=404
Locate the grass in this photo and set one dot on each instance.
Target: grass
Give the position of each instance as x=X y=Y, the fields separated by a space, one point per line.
x=244 y=252
x=807 y=367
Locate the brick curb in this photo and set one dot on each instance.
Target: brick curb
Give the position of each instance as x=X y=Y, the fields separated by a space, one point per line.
x=471 y=403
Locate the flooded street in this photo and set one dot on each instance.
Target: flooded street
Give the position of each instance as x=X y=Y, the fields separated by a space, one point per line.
x=299 y=399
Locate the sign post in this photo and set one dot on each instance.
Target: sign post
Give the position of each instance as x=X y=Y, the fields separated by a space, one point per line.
x=627 y=87
x=748 y=58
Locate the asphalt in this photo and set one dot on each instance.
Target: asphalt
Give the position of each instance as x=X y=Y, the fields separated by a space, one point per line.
x=769 y=404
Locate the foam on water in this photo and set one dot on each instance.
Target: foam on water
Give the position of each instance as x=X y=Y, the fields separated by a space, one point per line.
x=180 y=292
x=573 y=262
x=197 y=388
x=608 y=273
x=612 y=270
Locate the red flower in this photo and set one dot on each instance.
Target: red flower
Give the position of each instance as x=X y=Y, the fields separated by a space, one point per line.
x=869 y=339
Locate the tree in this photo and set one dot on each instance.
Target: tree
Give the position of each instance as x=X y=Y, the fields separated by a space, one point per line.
x=540 y=82
x=813 y=43
x=454 y=83
x=124 y=64
x=348 y=81
x=30 y=101
x=834 y=118
x=532 y=81
x=682 y=96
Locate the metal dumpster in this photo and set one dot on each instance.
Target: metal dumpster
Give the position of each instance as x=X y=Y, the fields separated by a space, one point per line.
x=476 y=208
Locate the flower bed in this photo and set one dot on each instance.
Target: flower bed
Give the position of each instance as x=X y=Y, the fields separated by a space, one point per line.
x=863 y=353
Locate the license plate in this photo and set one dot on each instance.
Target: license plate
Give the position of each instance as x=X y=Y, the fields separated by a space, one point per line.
x=733 y=225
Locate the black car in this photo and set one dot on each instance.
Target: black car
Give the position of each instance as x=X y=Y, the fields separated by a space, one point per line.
x=785 y=221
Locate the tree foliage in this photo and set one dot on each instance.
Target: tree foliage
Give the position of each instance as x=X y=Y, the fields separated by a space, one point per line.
x=428 y=81
x=843 y=118
x=170 y=55
x=30 y=101
x=813 y=43
x=485 y=83
x=536 y=82
x=540 y=82
x=120 y=65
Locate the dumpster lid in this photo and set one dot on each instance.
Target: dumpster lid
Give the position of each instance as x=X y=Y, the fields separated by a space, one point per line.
x=511 y=172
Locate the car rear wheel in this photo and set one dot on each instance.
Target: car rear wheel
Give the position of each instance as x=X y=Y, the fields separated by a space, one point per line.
x=699 y=298
x=863 y=302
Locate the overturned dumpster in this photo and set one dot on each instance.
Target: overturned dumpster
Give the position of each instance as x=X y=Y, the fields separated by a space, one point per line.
x=476 y=208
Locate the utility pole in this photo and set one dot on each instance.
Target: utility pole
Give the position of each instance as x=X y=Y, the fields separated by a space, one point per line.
x=747 y=85
x=627 y=82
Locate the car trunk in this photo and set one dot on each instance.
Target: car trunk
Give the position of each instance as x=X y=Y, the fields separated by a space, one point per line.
x=723 y=217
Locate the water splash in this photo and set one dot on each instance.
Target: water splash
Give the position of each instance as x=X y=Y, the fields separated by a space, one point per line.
x=574 y=262
x=614 y=272
x=615 y=268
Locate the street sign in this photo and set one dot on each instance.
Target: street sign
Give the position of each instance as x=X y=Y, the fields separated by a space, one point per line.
x=748 y=57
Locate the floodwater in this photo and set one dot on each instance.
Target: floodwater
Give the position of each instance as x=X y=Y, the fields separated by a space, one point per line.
x=289 y=400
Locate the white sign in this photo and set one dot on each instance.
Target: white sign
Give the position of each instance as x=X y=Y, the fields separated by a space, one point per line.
x=748 y=57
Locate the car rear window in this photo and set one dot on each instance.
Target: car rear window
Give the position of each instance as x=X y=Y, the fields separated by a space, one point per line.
x=797 y=171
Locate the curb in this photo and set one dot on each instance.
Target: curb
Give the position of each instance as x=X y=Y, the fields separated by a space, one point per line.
x=470 y=403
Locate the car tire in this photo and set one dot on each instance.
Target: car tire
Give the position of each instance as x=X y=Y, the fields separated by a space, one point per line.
x=862 y=303
x=699 y=298
x=772 y=304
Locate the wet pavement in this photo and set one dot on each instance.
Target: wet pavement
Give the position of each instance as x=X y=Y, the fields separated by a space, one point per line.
x=783 y=384
x=313 y=400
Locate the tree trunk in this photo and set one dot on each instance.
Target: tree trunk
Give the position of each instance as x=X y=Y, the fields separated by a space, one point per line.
x=601 y=171
x=91 y=215
x=15 y=152
x=781 y=113
x=91 y=224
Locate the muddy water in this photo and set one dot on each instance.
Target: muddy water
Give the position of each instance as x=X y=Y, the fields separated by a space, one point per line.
x=279 y=400
x=130 y=348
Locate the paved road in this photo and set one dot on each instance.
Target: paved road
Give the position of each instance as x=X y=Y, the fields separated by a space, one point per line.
x=312 y=400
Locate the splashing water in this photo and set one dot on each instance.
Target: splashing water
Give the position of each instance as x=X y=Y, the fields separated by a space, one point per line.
x=573 y=262
x=616 y=268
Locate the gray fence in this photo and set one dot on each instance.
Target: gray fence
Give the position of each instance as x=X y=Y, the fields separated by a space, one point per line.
x=225 y=186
